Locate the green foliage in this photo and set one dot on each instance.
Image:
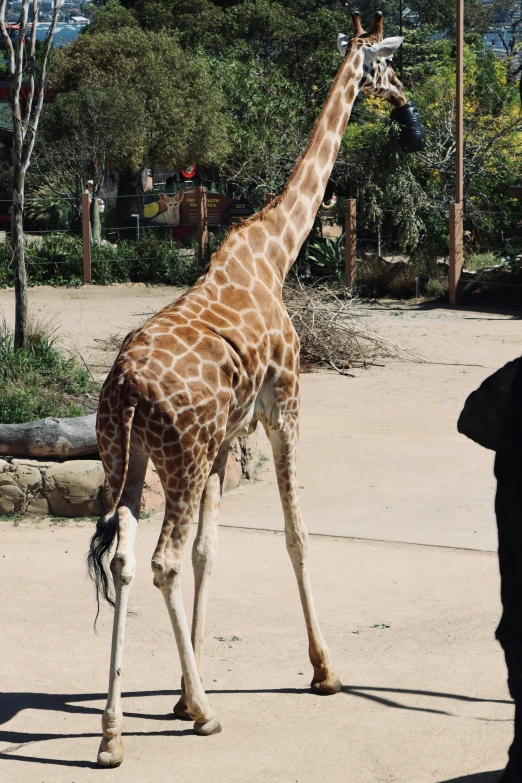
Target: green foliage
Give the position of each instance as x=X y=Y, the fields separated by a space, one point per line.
x=327 y=258
x=482 y=260
x=101 y=127
x=39 y=380
x=267 y=128
x=110 y=17
x=57 y=260
x=168 y=102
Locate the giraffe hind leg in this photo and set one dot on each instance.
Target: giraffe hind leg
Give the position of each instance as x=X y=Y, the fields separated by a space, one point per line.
x=203 y=556
x=123 y=567
x=284 y=444
x=166 y=566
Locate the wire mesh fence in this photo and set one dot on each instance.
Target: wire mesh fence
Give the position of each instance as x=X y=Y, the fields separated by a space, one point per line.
x=167 y=236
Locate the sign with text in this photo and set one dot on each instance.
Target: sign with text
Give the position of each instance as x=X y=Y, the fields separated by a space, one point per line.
x=181 y=209
x=221 y=210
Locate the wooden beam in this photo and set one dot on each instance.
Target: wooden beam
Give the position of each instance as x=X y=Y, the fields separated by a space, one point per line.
x=350 y=243
x=456 y=250
x=459 y=105
x=202 y=224
x=86 y=237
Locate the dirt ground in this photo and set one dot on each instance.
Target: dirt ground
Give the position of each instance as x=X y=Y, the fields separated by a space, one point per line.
x=380 y=456
x=410 y=630
x=410 y=627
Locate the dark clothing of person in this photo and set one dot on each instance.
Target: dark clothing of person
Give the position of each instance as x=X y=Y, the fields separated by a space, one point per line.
x=508 y=509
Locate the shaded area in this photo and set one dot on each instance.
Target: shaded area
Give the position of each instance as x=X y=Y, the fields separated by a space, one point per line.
x=13 y=703
x=479 y=777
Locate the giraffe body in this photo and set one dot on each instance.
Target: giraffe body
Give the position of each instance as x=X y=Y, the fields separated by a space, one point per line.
x=203 y=370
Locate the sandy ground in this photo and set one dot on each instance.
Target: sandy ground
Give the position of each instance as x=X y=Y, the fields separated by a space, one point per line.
x=410 y=627
x=379 y=456
x=410 y=630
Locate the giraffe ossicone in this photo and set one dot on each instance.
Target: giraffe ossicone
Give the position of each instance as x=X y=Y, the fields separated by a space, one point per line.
x=213 y=364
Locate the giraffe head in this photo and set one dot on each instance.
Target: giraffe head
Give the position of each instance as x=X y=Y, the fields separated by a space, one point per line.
x=377 y=77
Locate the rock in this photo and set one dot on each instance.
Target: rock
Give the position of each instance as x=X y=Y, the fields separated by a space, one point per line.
x=233 y=467
x=74 y=488
x=38 y=506
x=27 y=477
x=152 y=497
x=11 y=499
x=241 y=462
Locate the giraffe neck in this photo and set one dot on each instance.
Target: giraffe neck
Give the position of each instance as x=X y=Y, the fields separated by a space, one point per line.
x=304 y=191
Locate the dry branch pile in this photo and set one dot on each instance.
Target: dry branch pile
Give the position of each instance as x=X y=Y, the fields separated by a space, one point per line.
x=331 y=332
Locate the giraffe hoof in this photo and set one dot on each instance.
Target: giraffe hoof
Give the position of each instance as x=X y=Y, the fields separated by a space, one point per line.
x=212 y=726
x=180 y=711
x=110 y=753
x=327 y=687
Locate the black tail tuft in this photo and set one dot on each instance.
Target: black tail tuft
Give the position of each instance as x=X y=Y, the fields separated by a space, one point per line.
x=100 y=546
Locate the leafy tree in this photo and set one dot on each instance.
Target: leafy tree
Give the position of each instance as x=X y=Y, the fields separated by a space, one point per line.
x=82 y=138
x=409 y=196
x=268 y=128
x=180 y=107
x=171 y=105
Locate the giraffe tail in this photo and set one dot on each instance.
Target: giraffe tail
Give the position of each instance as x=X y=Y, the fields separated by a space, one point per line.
x=107 y=525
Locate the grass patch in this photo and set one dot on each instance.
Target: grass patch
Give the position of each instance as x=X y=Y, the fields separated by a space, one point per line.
x=481 y=260
x=40 y=380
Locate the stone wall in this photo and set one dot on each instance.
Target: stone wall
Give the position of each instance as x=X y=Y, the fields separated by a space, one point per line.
x=76 y=488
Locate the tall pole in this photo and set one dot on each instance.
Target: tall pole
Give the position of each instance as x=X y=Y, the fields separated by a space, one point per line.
x=456 y=215
x=400 y=33
x=350 y=243
x=459 y=98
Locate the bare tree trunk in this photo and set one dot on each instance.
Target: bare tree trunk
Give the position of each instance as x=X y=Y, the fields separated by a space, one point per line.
x=19 y=273
x=26 y=112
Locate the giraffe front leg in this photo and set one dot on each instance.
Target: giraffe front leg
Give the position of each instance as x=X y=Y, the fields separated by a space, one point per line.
x=123 y=567
x=203 y=557
x=284 y=444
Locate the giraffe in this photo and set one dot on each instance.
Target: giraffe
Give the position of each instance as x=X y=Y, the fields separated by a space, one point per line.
x=208 y=368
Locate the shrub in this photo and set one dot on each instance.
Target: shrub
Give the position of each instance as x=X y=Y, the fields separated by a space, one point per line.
x=327 y=259
x=40 y=380
x=481 y=260
x=56 y=259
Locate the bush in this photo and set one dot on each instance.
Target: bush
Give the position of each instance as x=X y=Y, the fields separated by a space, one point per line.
x=56 y=259
x=40 y=380
x=482 y=260
x=376 y=278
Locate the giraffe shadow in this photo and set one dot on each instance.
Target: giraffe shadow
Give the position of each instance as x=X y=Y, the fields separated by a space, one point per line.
x=11 y=704
x=479 y=777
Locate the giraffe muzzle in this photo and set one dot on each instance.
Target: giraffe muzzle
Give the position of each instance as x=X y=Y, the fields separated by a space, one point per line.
x=412 y=136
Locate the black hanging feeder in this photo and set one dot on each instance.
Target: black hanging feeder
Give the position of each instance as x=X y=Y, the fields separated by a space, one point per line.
x=412 y=137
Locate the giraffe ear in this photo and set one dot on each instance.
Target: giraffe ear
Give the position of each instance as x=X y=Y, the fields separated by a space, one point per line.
x=385 y=49
x=342 y=43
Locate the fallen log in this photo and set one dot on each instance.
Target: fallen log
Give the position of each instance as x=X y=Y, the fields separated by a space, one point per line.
x=68 y=437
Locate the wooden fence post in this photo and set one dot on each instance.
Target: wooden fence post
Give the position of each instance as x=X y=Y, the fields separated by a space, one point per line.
x=456 y=250
x=86 y=237
x=350 y=244
x=269 y=198
x=202 y=224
